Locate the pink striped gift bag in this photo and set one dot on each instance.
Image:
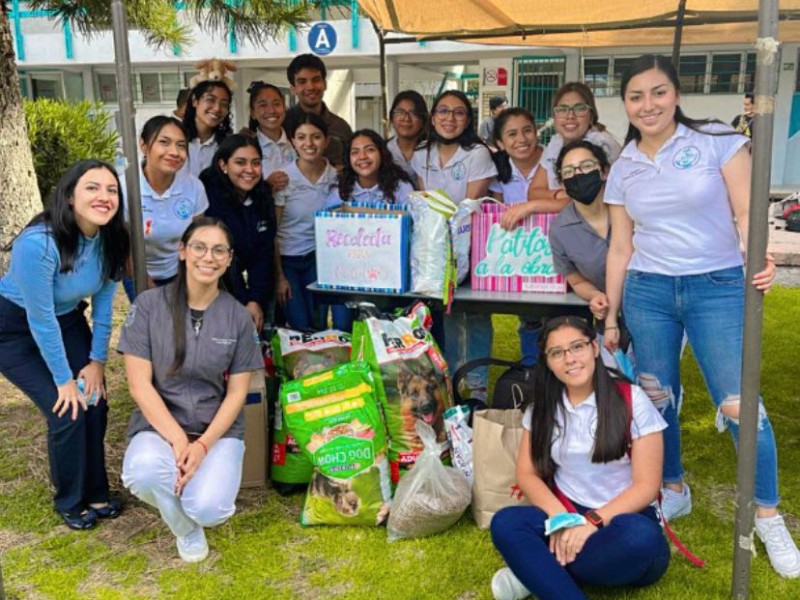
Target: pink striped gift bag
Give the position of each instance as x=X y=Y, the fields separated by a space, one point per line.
x=512 y=261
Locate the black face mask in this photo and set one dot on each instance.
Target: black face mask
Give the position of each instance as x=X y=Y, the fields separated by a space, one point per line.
x=584 y=187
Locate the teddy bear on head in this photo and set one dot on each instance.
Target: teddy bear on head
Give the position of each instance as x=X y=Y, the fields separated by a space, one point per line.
x=214 y=69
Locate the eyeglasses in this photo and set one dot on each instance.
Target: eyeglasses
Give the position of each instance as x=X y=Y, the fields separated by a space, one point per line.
x=214 y=101
x=458 y=113
x=580 y=109
x=218 y=252
x=575 y=348
x=399 y=113
x=583 y=167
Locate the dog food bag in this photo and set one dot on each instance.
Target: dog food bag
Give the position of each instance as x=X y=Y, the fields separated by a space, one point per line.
x=335 y=419
x=456 y=422
x=297 y=354
x=432 y=497
x=410 y=379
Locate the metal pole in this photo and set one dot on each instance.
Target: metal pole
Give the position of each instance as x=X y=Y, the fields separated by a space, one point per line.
x=676 y=40
x=128 y=130
x=384 y=93
x=766 y=62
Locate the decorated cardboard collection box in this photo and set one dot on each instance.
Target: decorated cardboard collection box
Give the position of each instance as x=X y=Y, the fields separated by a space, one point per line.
x=363 y=247
x=512 y=261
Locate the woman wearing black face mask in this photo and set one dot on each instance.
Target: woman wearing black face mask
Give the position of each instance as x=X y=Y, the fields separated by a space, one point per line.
x=579 y=236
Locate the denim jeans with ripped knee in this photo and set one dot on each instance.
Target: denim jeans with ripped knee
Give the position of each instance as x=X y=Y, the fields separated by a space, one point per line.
x=709 y=307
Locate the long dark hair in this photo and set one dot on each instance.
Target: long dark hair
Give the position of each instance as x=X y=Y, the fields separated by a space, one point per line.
x=389 y=173
x=420 y=107
x=501 y=158
x=585 y=92
x=468 y=138
x=177 y=293
x=219 y=185
x=154 y=125
x=306 y=118
x=663 y=64
x=596 y=150
x=59 y=221
x=254 y=89
x=611 y=438
x=222 y=130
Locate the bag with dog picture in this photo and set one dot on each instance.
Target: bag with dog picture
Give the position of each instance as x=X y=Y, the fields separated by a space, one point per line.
x=335 y=419
x=297 y=354
x=410 y=380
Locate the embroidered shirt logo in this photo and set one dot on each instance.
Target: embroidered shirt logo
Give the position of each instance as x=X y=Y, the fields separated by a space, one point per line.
x=183 y=208
x=459 y=171
x=686 y=158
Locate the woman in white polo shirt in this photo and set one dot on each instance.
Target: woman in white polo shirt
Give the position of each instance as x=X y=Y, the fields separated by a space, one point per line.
x=207 y=121
x=454 y=159
x=591 y=444
x=267 y=115
x=675 y=250
x=171 y=197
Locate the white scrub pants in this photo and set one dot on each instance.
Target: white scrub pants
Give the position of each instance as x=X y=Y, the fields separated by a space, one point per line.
x=150 y=473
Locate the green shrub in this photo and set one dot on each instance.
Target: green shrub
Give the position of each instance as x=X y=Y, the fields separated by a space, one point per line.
x=61 y=133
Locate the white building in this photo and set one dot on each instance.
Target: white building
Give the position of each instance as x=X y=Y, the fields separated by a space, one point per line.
x=54 y=62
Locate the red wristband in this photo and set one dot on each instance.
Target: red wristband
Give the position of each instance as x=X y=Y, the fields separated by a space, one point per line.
x=205 y=448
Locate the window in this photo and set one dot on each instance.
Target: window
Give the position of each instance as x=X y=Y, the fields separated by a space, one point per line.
x=692 y=74
x=725 y=73
x=621 y=66
x=107 y=88
x=150 y=90
x=595 y=75
x=750 y=73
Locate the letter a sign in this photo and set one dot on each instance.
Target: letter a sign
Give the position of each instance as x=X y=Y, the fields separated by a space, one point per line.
x=322 y=38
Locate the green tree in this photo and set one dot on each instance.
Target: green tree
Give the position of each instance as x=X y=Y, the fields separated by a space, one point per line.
x=256 y=21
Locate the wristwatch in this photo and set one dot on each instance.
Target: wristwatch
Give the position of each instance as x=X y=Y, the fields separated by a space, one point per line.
x=594 y=518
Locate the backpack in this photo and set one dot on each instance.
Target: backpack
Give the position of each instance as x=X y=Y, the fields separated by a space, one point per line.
x=511 y=388
x=793 y=218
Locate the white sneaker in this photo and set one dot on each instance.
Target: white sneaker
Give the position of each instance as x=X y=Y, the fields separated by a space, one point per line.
x=675 y=504
x=506 y=586
x=781 y=549
x=193 y=546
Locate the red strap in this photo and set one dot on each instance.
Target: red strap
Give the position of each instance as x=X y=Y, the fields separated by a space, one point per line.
x=563 y=499
x=692 y=558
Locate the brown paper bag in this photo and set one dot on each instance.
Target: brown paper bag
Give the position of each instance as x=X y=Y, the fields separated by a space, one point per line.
x=496 y=438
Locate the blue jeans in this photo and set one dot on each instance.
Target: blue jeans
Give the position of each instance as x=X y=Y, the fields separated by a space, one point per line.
x=301 y=271
x=468 y=336
x=630 y=550
x=710 y=308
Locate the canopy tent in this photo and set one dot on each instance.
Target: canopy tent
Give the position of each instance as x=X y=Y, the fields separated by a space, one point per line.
x=586 y=23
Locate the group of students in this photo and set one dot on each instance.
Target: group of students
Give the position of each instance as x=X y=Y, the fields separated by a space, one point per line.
x=639 y=234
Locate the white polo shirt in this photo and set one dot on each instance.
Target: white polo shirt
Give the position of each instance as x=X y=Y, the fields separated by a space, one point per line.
x=300 y=200
x=464 y=166
x=166 y=217
x=400 y=159
x=682 y=216
x=603 y=139
x=516 y=190
x=275 y=155
x=594 y=484
x=200 y=155
x=372 y=195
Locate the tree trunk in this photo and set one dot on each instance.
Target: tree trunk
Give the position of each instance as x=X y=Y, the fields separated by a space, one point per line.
x=19 y=194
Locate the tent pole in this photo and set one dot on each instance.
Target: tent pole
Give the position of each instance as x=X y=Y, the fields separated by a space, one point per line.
x=128 y=129
x=384 y=92
x=754 y=302
x=676 y=40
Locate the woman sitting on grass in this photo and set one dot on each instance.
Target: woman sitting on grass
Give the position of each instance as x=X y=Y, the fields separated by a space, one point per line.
x=73 y=250
x=190 y=350
x=584 y=450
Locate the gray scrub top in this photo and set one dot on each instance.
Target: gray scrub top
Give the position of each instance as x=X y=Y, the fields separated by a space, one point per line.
x=577 y=247
x=226 y=343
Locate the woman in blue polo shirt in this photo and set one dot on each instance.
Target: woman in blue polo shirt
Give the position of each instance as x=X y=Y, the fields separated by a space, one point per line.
x=171 y=197
x=454 y=159
x=76 y=249
x=675 y=250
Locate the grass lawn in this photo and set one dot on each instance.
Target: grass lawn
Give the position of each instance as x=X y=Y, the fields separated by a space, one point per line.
x=262 y=552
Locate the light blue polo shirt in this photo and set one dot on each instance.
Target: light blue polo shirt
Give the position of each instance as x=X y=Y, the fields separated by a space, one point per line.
x=516 y=189
x=464 y=166
x=400 y=159
x=166 y=217
x=683 y=222
x=603 y=139
x=300 y=200
x=372 y=195
x=201 y=154
x=275 y=155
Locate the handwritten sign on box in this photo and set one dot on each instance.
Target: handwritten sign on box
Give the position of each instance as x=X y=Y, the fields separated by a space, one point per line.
x=513 y=261
x=363 y=248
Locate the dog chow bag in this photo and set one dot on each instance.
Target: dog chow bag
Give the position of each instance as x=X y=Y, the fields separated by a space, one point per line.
x=410 y=379
x=335 y=419
x=297 y=354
